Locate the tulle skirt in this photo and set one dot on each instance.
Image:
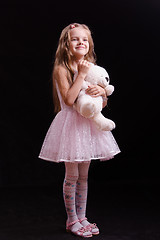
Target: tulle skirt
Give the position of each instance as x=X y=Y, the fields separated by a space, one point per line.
x=73 y=138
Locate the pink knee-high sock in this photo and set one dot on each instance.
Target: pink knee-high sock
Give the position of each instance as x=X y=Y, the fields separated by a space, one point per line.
x=69 y=187
x=81 y=196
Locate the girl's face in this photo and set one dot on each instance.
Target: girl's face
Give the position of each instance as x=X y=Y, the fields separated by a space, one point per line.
x=79 y=44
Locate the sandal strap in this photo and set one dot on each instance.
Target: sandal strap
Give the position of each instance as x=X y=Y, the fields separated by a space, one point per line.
x=82 y=219
x=81 y=231
x=72 y=223
x=91 y=225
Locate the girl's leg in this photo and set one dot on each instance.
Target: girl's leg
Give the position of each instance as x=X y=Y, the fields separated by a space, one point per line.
x=81 y=198
x=69 y=187
x=81 y=191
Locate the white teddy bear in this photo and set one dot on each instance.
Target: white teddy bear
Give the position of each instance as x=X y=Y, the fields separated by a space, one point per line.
x=91 y=107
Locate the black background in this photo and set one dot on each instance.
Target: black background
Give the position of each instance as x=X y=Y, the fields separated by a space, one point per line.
x=127 y=38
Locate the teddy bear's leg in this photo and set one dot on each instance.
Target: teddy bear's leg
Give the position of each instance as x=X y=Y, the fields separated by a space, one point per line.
x=87 y=110
x=86 y=106
x=103 y=123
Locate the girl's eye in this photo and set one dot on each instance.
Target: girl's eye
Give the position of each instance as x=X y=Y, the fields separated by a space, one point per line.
x=85 y=39
x=74 y=39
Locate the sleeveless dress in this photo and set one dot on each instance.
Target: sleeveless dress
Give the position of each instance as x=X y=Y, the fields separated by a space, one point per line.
x=73 y=138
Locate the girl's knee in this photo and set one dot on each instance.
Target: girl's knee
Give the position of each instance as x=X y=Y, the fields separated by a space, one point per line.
x=71 y=171
x=83 y=178
x=73 y=178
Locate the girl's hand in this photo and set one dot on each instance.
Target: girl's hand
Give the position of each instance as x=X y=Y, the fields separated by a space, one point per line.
x=95 y=91
x=83 y=67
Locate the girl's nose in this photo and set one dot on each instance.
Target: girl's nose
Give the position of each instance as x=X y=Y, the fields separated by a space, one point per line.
x=80 y=42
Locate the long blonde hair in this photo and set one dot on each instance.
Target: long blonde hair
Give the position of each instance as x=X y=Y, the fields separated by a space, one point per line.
x=63 y=57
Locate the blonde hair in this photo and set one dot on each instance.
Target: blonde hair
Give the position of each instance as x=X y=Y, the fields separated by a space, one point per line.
x=63 y=56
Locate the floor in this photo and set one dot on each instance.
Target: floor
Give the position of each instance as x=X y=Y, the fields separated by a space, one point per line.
x=123 y=211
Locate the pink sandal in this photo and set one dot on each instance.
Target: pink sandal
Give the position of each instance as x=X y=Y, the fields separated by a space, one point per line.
x=82 y=232
x=92 y=227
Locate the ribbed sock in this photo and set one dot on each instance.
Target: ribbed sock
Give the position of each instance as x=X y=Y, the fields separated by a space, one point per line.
x=81 y=197
x=69 y=187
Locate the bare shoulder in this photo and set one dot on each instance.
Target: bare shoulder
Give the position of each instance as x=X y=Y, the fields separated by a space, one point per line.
x=59 y=71
x=60 y=75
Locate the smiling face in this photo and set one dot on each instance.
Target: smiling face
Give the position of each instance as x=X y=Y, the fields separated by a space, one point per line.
x=78 y=43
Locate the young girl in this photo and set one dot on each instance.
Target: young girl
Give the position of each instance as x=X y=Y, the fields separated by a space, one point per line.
x=71 y=138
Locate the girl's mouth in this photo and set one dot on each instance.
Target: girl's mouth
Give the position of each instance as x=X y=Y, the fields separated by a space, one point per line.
x=80 y=47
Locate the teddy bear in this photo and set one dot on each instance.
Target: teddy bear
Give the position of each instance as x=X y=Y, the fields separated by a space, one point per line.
x=91 y=107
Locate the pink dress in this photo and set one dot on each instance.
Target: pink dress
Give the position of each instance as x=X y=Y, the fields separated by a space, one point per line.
x=73 y=138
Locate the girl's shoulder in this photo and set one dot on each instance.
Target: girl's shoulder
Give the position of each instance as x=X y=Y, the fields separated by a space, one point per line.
x=59 y=70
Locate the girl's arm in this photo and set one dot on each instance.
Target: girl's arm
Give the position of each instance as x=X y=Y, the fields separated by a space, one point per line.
x=70 y=93
x=96 y=91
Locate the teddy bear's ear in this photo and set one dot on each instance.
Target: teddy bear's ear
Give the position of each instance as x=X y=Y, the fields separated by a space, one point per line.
x=103 y=72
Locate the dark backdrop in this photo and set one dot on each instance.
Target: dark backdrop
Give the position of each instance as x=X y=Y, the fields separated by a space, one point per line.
x=127 y=37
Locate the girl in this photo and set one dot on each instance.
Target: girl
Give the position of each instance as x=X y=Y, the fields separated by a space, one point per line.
x=71 y=138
